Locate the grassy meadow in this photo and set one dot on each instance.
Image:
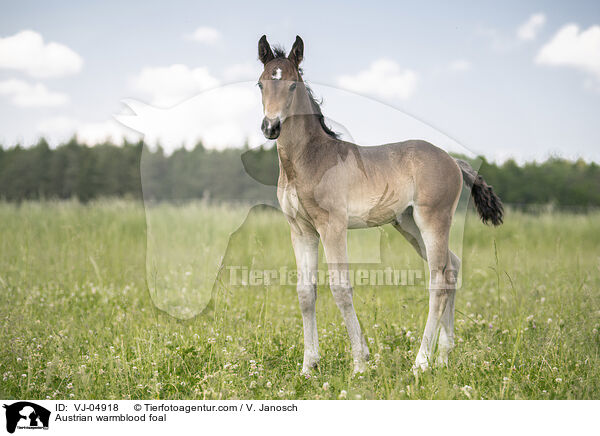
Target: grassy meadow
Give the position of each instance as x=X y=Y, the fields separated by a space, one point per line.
x=79 y=321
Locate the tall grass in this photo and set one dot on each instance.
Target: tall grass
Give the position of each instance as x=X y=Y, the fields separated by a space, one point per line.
x=78 y=320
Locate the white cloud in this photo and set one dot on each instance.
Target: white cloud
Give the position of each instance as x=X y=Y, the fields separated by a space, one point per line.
x=26 y=51
x=222 y=117
x=57 y=129
x=190 y=104
x=110 y=130
x=460 y=65
x=61 y=128
x=245 y=71
x=25 y=94
x=166 y=86
x=384 y=78
x=570 y=47
x=530 y=28
x=205 y=35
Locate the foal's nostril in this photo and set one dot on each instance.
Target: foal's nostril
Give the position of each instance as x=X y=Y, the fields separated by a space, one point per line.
x=271 y=127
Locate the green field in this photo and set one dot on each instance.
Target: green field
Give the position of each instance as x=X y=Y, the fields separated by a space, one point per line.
x=78 y=321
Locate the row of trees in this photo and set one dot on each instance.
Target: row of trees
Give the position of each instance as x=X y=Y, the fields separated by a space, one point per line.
x=74 y=170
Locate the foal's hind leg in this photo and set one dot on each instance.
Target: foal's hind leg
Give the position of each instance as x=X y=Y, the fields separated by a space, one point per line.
x=434 y=226
x=446 y=341
x=407 y=226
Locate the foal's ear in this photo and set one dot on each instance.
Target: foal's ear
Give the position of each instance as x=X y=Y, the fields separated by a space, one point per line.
x=297 y=51
x=265 y=54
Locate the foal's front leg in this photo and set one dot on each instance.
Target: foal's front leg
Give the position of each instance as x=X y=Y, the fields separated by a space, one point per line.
x=334 y=245
x=306 y=249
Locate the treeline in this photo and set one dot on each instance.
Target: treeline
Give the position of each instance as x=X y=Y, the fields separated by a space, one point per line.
x=74 y=170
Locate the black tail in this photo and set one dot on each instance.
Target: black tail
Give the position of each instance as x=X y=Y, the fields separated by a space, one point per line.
x=488 y=204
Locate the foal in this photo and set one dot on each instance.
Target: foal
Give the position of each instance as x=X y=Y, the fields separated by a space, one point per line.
x=327 y=186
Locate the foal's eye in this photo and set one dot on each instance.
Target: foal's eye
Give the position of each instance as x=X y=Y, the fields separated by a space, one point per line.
x=260 y=85
x=292 y=87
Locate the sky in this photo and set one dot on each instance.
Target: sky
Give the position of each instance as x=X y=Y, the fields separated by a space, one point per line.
x=504 y=80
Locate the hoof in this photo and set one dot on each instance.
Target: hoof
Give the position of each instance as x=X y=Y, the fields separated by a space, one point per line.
x=309 y=364
x=421 y=365
x=360 y=366
x=306 y=373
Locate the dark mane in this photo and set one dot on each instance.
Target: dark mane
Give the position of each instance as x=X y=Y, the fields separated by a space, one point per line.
x=316 y=105
x=279 y=53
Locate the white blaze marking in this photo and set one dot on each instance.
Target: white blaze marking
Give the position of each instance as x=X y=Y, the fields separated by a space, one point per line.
x=277 y=74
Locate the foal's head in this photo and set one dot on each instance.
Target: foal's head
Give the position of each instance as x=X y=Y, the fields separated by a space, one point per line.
x=278 y=83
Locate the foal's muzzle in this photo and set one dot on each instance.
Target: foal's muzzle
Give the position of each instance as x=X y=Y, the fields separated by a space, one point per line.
x=271 y=127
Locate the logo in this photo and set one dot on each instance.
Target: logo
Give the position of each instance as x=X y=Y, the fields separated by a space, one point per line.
x=26 y=415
